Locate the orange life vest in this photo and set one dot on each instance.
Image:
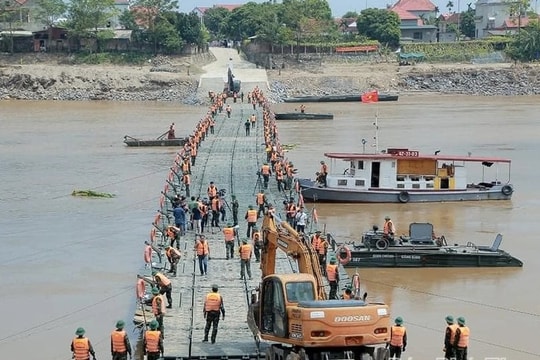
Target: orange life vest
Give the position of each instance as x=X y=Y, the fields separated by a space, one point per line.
x=322 y=247
x=81 y=347
x=464 y=333
x=279 y=174
x=256 y=236
x=186 y=179
x=397 y=335
x=173 y=253
x=215 y=204
x=324 y=168
x=202 y=248
x=212 y=302
x=212 y=191
x=152 y=341
x=117 y=340
x=245 y=251
x=260 y=199
x=265 y=169
x=158 y=306
x=162 y=280
x=453 y=329
x=388 y=226
x=229 y=234
x=316 y=242
x=331 y=272
x=252 y=215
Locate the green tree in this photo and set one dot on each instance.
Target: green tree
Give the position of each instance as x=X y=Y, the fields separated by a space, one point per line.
x=381 y=25
x=189 y=28
x=127 y=20
x=48 y=12
x=467 y=24
x=166 y=35
x=350 y=15
x=215 y=20
x=525 y=45
x=150 y=12
x=88 y=18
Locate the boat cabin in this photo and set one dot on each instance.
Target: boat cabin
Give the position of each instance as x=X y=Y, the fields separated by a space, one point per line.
x=403 y=169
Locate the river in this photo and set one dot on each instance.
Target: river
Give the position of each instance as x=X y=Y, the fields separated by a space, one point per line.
x=70 y=262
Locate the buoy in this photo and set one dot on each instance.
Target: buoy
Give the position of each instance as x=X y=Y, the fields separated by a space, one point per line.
x=343 y=250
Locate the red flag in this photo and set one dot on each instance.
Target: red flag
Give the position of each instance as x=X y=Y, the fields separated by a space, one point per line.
x=370 y=96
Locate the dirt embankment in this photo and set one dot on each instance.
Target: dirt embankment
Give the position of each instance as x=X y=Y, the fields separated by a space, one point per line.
x=40 y=77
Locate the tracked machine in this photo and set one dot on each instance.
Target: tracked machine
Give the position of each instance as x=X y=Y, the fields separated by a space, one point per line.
x=293 y=314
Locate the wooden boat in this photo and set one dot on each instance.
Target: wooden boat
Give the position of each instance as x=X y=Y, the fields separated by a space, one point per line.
x=303 y=116
x=131 y=141
x=421 y=249
x=338 y=98
x=402 y=176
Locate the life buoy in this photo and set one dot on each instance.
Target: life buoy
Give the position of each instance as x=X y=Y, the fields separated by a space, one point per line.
x=507 y=190
x=404 y=197
x=343 y=250
x=153 y=234
x=382 y=244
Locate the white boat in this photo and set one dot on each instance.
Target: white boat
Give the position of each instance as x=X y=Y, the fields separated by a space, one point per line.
x=403 y=175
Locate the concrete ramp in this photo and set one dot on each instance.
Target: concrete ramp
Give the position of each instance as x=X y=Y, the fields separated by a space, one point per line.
x=215 y=74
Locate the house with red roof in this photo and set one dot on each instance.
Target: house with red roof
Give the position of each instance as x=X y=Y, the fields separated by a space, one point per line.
x=414 y=16
x=493 y=17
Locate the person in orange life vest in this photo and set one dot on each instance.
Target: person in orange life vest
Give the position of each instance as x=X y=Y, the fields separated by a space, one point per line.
x=193 y=154
x=322 y=251
x=170 y=133
x=213 y=305
x=449 y=336
x=260 y=201
x=153 y=342
x=245 y=251
x=279 y=180
x=461 y=340
x=323 y=173
x=120 y=346
x=81 y=346
x=253 y=120
x=257 y=243
x=215 y=204
x=147 y=255
x=398 y=339
x=165 y=286
x=266 y=172
x=203 y=253
x=186 y=180
x=229 y=234
x=173 y=256
x=332 y=275
x=229 y=110
x=347 y=294
x=251 y=217
x=389 y=229
x=316 y=240
x=158 y=308
x=302 y=108
x=290 y=210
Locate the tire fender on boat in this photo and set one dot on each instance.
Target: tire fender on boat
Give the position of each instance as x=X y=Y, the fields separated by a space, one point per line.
x=343 y=249
x=382 y=244
x=404 y=197
x=507 y=190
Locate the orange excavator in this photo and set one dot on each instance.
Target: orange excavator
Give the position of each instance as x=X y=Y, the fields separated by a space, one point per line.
x=292 y=311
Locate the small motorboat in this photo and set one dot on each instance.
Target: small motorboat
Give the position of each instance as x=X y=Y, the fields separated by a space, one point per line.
x=303 y=116
x=134 y=142
x=339 y=98
x=421 y=249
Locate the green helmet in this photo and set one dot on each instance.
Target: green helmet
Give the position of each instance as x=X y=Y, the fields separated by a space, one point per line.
x=250 y=207
x=229 y=224
x=449 y=319
x=214 y=287
x=154 y=324
x=120 y=324
x=333 y=261
x=461 y=320
x=387 y=217
x=244 y=241
x=155 y=291
x=80 y=331
x=233 y=196
x=399 y=320
x=154 y=272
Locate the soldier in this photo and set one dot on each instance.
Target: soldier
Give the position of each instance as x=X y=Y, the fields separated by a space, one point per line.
x=120 y=346
x=173 y=256
x=461 y=340
x=165 y=286
x=235 y=207
x=449 y=336
x=398 y=339
x=332 y=275
x=261 y=201
x=81 y=346
x=251 y=217
x=153 y=342
x=213 y=305
x=158 y=309
x=257 y=243
x=229 y=233
x=245 y=251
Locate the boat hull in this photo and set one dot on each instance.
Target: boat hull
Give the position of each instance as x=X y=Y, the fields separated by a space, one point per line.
x=155 y=142
x=430 y=258
x=338 y=98
x=312 y=191
x=303 y=116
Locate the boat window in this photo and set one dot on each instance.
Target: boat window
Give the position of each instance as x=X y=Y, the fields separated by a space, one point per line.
x=401 y=186
x=360 y=183
x=300 y=291
x=429 y=178
x=416 y=186
x=400 y=178
x=342 y=182
x=361 y=165
x=415 y=178
x=429 y=185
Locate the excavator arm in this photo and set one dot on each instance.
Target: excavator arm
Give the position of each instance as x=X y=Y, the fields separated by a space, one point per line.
x=279 y=234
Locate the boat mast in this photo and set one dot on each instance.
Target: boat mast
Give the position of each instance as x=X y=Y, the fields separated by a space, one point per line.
x=376 y=124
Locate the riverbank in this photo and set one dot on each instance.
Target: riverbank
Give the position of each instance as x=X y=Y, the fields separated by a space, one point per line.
x=40 y=77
